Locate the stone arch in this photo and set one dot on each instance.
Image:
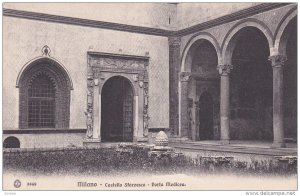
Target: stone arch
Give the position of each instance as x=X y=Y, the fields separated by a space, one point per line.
x=124 y=76
x=191 y=46
x=45 y=59
x=118 y=106
x=280 y=38
x=11 y=142
x=231 y=37
x=62 y=82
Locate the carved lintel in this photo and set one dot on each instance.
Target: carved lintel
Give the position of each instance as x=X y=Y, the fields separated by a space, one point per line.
x=224 y=69
x=277 y=60
x=185 y=76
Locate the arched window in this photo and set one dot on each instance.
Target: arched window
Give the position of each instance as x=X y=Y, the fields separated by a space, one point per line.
x=44 y=95
x=41 y=102
x=11 y=142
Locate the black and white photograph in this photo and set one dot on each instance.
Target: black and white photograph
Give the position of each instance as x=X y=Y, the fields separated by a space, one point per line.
x=135 y=96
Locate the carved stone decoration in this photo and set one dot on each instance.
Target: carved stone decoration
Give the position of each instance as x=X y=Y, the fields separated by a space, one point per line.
x=46 y=50
x=116 y=63
x=277 y=60
x=185 y=76
x=89 y=112
x=145 y=112
x=224 y=69
x=161 y=139
x=102 y=66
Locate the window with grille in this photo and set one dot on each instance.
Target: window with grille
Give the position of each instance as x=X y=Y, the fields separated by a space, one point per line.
x=41 y=103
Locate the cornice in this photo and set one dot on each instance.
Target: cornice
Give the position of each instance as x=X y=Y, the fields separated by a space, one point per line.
x=230 y=17
x=42 y=130
x=84 y=22
x=119 y=56
x=143 y=30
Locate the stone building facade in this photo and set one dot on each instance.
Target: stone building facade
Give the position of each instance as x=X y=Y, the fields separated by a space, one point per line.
x=82 y=74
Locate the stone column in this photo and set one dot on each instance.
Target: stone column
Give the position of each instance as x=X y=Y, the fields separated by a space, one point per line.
x=278 y=130
x=224 y=71
x=184 y=81
x=174 y=69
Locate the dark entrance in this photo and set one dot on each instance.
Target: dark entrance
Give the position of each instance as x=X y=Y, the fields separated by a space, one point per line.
x=206 y=117
x=11 y=142
x=251 y=87
x=117 y=110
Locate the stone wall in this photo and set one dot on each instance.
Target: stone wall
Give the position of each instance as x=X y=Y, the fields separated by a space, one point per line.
x=23 y=40
x=156 y=15
x=189 y=14
x=46 y=140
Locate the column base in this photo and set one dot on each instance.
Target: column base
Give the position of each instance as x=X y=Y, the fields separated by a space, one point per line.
x=225 y=141
x=278 y=145
x=93 y=142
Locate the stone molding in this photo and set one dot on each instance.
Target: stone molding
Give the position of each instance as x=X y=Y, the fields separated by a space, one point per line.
x=263 y=7
x=185 y=76
x=277 y=60
x=224 y=69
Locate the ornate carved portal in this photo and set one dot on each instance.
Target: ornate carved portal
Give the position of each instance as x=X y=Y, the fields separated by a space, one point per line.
x=102 y=67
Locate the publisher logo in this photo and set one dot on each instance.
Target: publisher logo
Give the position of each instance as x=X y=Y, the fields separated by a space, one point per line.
x=17 y=183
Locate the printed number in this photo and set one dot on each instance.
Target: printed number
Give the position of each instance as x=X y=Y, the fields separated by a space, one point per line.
x=31 y=183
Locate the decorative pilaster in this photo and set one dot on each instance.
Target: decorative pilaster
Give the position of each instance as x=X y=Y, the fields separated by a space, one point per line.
x=174 y=68
x=90 y=97
x=145 y=112
x=224 y=71
x=184 y=114
x=278 y=129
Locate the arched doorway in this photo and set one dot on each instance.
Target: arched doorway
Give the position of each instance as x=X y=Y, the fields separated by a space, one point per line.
x=206 y=116
x=201 y=61
x=117 y=110
x=11 y=142
x=251 y=85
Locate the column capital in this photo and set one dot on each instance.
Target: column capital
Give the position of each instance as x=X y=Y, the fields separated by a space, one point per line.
x=174 y=41
x=224 y=69
x=184 y=76
x=277 y=60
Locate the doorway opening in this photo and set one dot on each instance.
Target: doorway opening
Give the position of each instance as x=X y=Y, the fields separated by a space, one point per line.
x=117 y=110
x=206 y=117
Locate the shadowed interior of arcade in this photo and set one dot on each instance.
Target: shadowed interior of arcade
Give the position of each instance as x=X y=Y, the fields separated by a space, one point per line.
x=251 y=97
x=203 y=92
x=290 y=81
